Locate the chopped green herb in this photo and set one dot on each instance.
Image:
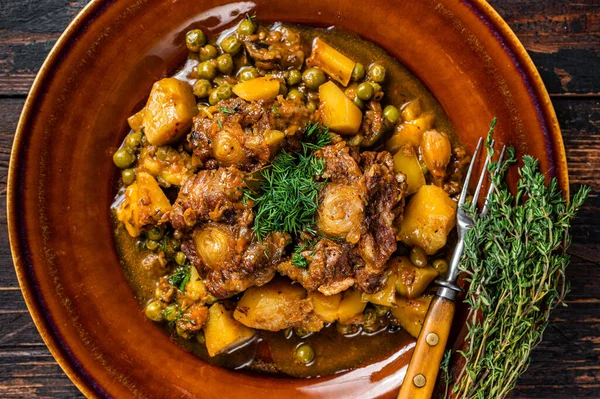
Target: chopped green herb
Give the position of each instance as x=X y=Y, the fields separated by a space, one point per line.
x=288 y=194
x=220 y=123
x=180 y=277
x=228 y=111
x=275 y=110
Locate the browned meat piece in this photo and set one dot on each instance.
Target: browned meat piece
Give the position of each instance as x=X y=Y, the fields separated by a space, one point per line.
x=209 y=195
x=329 y=268
x=276 y=49
x=456 y=171
x=164 y=290
x=247 y=134
x=384 y=206
x=155 y=263
x=192 y=320
x=373 y=125
x=341 y=163
x=229 y=260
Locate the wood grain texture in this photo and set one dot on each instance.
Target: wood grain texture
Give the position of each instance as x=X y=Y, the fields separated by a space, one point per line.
x=563 y=39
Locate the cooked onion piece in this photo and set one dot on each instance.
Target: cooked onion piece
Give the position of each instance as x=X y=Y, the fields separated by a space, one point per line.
x=228 y=150
x=435 y=148
x=214 y=244
x=341 y=212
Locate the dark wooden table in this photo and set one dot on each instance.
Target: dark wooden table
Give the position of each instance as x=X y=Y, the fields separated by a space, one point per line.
x=563 y=39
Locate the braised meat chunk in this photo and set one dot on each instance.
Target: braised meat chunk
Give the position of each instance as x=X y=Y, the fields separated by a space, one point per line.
x=229 y=260
x=209 y=195
x=247 y=134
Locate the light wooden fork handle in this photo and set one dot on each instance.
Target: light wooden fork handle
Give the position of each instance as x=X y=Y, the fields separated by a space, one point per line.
x=425 y=362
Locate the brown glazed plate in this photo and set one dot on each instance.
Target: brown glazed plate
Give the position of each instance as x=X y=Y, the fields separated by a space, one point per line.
x=61 y=173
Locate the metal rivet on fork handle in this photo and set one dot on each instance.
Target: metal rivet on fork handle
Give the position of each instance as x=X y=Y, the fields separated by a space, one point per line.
x=419 y=380
x=432 y=339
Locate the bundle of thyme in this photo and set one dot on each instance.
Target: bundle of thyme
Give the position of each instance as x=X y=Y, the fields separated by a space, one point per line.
x=514 y=262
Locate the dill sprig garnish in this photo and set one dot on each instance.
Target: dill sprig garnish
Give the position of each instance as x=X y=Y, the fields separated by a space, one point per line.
x=288 y=194
x=514 y=262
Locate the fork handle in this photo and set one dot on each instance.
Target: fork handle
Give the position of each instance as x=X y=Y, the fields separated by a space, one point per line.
x=426 y=359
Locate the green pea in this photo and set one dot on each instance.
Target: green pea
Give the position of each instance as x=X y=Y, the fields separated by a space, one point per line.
x=380 y=310
x=128 y=176
x=201 y=338
x=231 y=45
x=156 y=233
x=301 y=332
x=364 y=91
x=391 y=113
x=133 y=140
x=180 y=258
x=152 y=245
x=162 y=153
x=206 y=70
x=294 y=77
x=376 y=87
x=295 y=94
x=377 y=73
x=313 y=78
x=304 y=354
x=123 y=158
x=225 y=64
x=248 y=74
x=154 y=311
x=224 y=92
x=283 y=90
x=246 y=27
x=358 y=73
x=171 y=312
x=418 y=257
x=441 y=265
x=211 y=299
x=202 y=88
x=178 y=234
x=358 y=102
x=370 y=317
x=174 y=244
x=213 y=98
x=208 y=52
x=346 y=329
x=312 y=106
x=195 y=39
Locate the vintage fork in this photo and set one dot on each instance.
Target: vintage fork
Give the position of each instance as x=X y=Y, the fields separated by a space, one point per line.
x=426 y=359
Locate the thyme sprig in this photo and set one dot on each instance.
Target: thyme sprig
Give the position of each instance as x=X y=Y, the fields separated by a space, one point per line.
x=514 y=262
x=288 y=194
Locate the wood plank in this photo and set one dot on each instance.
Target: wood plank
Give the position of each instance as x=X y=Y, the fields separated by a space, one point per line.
x=563 y=39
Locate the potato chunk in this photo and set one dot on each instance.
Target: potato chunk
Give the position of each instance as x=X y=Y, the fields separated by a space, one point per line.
x=334 y=63
x=274 y=306
x=169 y=111
x=428 y=218
x=326 y=306
x=410 y=313
x=261 y=88
x=223 y=333
x=406 y=162
x=145 y=203
x=412 y=280
x=338 y=112
x=350 y=306
x=387 y=295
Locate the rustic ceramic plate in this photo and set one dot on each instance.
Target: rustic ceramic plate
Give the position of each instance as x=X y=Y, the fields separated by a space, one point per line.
x=61 y=172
